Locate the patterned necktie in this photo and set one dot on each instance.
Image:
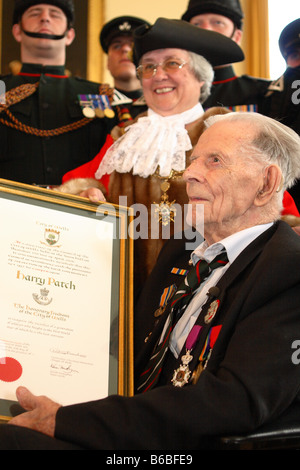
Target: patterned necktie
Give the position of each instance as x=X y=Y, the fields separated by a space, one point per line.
x=179 y=302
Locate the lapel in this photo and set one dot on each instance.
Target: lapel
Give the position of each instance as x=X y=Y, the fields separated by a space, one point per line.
x=226 y=307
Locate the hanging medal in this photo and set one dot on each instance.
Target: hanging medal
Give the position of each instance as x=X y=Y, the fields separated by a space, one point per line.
x=212 y=311
x=163 y=302
x=182 y=375
x=164 y=298
x=87 y=106
x=165 y=210
x=98 y=107
x=206 y=352
x=108 y=111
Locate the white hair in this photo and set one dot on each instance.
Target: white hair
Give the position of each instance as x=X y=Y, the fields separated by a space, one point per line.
x=203 y=72
x=273 y=143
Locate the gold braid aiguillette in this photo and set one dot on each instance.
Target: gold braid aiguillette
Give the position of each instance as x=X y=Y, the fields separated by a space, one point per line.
x=24 y=91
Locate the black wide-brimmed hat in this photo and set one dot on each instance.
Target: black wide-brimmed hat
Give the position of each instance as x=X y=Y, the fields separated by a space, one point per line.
x=229 y=8
x=289 y=38
x=67 y=7
x=120 y=26
x=165 y=33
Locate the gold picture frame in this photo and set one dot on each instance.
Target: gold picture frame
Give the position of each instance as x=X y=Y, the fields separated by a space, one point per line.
x=66 y=322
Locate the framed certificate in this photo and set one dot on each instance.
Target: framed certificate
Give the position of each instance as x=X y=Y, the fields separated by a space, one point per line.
x=66 y=304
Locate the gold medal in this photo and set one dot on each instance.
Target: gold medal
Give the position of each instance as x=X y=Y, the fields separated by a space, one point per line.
x=165 y=186
x=109 y=113
x=99 y=113
x=159 y=312
x=197 y=372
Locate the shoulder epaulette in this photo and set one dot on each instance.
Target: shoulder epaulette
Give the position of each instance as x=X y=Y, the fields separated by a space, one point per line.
x=140 y=102
x=119 y=99
x=277 y=85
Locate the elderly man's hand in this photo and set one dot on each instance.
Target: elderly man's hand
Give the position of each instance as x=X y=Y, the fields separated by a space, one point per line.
x=41 y=412
x=93 y=194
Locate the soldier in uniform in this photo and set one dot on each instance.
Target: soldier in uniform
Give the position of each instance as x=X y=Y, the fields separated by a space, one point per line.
x=282 y=100
x=229 y=90
x=116 y=39
x=43 y=130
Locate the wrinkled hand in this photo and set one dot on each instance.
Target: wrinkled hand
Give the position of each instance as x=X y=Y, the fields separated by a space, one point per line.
x=93 y=194
x=40 y=415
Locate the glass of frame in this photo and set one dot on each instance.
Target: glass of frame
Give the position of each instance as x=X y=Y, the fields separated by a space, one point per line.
x=66 y=308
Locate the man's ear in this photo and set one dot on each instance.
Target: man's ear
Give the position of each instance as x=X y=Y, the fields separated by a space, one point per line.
x=272 y=183
x=70 y=36
x=237 y=36
x=16 y=31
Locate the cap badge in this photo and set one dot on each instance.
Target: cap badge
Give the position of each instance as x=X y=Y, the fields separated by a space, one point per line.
x=125 y=26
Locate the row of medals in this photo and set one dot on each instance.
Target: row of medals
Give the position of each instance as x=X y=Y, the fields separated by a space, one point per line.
x=101 y=110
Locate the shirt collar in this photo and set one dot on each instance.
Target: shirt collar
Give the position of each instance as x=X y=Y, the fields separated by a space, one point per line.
x=234 y=244
x=38 y=69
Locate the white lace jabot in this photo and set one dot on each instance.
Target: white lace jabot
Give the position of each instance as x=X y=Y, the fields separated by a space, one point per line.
x=152 y=141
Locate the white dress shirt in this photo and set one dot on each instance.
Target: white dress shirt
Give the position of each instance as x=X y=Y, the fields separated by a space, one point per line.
x=234 y=245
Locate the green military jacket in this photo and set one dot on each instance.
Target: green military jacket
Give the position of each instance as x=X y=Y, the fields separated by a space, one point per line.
x=44 y=159
x=242 y=93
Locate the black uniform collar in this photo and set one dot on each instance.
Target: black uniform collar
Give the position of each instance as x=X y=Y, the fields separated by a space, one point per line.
x=224 y=74
x=133 y=95
x=38 y=69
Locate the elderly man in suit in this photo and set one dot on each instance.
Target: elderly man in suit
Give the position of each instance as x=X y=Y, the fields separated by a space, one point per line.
x=220 y=355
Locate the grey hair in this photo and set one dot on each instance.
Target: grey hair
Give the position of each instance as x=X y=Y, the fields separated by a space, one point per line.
x=273 y=143
x=203 y=72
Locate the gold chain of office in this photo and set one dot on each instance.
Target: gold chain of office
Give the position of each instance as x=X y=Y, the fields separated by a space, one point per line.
x=24 y=91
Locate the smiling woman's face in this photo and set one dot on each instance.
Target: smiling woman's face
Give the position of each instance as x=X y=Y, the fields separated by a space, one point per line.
x=169 y=94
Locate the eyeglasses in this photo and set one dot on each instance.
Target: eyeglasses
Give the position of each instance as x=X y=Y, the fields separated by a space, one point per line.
x=169 y=66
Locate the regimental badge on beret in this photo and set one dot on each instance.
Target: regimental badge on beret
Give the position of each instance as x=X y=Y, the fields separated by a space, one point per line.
x=122 y=25
x=125 y=26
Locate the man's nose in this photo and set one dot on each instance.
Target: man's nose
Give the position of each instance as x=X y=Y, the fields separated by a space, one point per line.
x=44 y=16
x=194 y=172
x=126 y=48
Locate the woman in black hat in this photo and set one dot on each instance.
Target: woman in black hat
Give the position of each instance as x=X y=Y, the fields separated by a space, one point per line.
x=174 y=62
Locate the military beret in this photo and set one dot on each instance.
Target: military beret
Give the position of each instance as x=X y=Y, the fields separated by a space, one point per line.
x=123 y=25
x=289 y=37
x=165 y=33
x=229 y=8
x=66 y=5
